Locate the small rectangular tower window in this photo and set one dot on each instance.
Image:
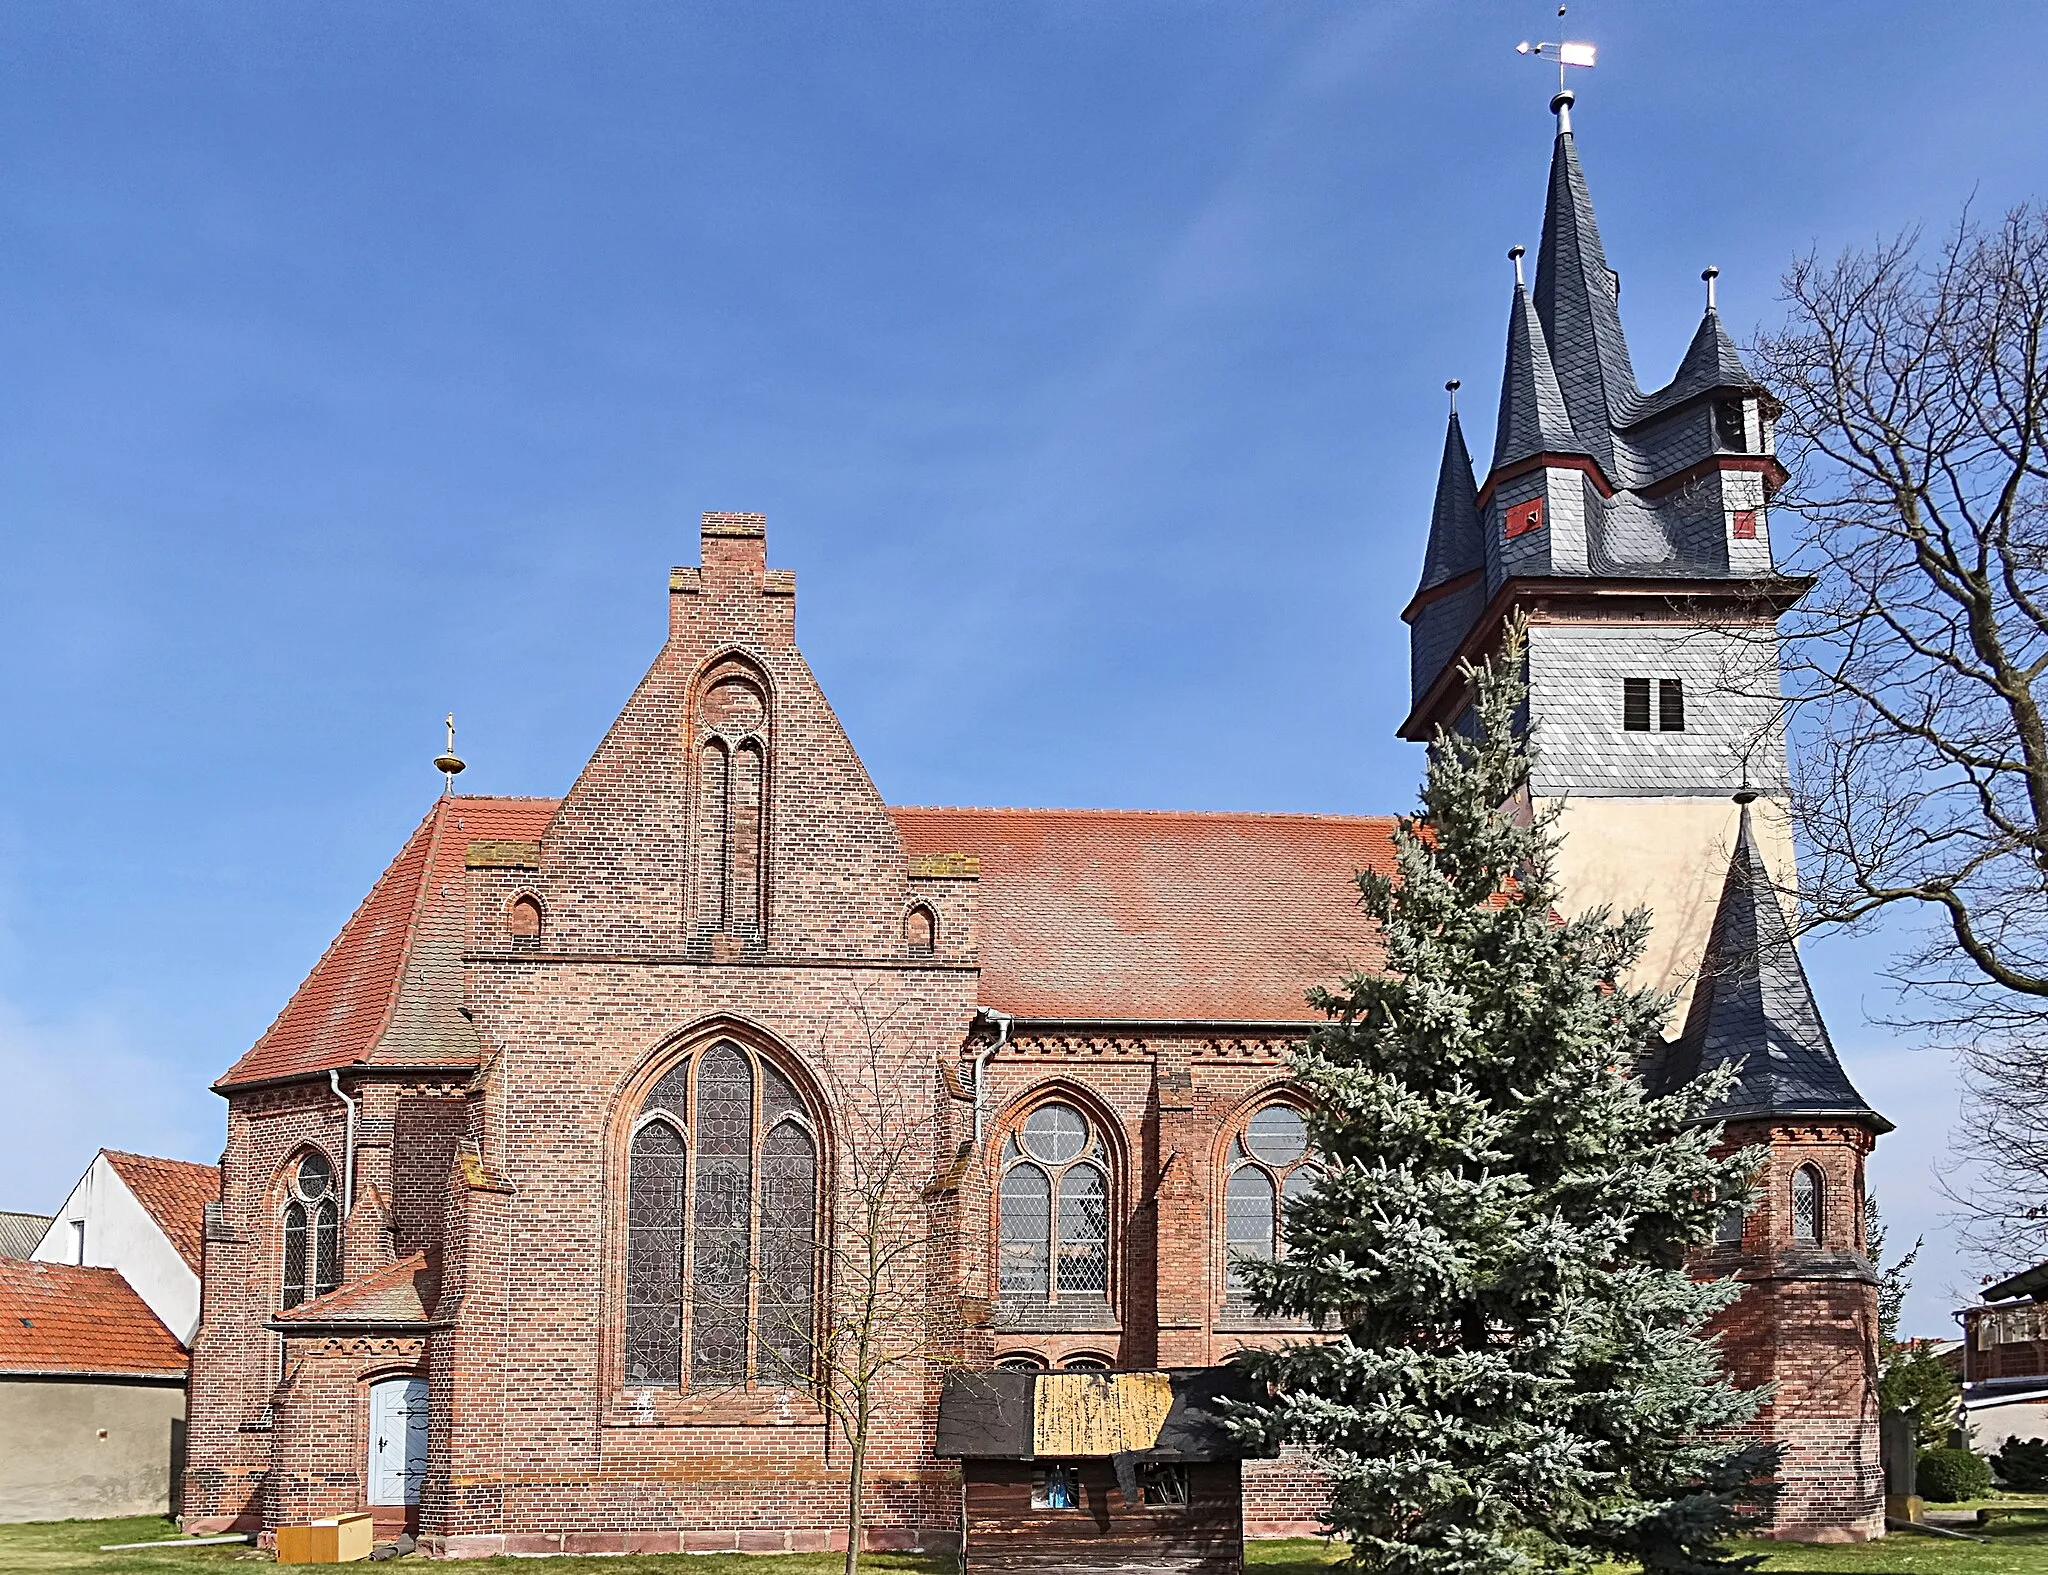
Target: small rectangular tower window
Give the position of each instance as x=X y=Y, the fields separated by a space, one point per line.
x=1635 y=704
x=1670 y=705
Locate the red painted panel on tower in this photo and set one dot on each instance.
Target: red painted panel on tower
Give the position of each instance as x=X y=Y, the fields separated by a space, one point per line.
x=1523 y=518
x=1745 y=525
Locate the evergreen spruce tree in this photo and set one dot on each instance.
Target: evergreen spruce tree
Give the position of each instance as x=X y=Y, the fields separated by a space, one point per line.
x=1522 y=1381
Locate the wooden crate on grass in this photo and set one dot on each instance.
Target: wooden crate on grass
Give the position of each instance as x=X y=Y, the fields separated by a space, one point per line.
x=340 y=1539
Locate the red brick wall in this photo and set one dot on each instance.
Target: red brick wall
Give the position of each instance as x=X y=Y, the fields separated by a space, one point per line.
x=1806 y=1322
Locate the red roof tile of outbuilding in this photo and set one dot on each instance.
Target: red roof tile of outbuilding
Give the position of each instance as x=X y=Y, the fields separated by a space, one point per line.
x=175 y=1193
x=60 y=1318
x=1161 y=916
x=405 y=939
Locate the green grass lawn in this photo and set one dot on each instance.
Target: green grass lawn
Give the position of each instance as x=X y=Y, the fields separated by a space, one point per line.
x=74 y=1545
x=2017 y=1545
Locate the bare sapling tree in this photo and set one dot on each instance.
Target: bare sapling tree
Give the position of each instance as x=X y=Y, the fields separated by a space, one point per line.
x=1914 y=381
x=878 y=1332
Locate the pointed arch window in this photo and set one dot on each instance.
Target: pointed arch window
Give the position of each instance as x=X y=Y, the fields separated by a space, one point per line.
x=732 y=801
x=312 y=1232
x=1270 y=1163
x=722 y=1228
x=1054 y=1208
x=1808 y=1196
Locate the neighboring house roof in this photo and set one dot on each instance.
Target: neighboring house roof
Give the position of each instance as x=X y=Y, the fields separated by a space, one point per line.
x=174 y=1193
x=1161 y=916
x=2028 y=1282
x=390 y=985
x=21 y=1233
x=59 y=1318
x=402 y=1292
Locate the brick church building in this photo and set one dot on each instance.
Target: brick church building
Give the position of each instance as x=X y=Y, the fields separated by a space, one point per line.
x=532 y=1191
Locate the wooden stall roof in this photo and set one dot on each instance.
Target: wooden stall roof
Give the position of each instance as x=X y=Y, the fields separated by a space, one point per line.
x=1172 y=1414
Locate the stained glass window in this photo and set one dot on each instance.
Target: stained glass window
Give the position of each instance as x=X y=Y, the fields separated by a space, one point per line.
x=654 y=1256
x=1054 y=1207
x=722 y=1228
x=1270 y=1166
x=312 y=1232
x=1084 y=1230
x=1806 y=1204
x=1248 y=1219
x=721 y=1217
x=1027 y=1229
x=789 y=1191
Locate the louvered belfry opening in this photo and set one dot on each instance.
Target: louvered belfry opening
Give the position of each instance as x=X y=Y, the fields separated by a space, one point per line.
x=722 y=1231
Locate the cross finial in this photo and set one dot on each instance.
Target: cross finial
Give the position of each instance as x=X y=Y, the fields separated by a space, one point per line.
x=448 y=762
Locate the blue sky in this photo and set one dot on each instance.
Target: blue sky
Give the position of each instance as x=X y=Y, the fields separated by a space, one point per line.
x=367 y=361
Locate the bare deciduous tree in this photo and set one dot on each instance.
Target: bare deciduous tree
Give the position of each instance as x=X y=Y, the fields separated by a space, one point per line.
x=879 y=1329
x=1914 y=382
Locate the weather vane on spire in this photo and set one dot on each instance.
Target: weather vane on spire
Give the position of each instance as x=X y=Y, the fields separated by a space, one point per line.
x=1566 y=54
x=448 y=762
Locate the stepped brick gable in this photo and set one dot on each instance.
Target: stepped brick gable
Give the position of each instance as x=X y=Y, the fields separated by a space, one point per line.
x=527 y=1208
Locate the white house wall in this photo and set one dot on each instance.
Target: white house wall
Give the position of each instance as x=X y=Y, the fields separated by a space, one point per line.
x=121 y=1234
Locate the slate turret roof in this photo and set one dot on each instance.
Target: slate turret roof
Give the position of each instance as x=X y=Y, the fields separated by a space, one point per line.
x=1457 y=543
x=1754 y=1008
x=1534 y=418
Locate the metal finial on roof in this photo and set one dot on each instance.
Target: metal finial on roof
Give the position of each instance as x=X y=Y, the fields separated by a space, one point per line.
x=448 y=762
x=1515 y=254
x=1710 y=275
x=1452 y=388
x=1567 y=53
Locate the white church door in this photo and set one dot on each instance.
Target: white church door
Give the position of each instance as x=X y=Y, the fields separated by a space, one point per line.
x=398 y=1440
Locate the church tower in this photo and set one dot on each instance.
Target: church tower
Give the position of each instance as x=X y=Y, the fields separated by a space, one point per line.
x=1632 y=530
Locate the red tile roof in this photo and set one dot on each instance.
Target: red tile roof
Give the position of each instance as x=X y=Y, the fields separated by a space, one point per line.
x=1129 y=914
x=390 y=983
x=175 y=1193
x=59 y=1318
x=402 y=1292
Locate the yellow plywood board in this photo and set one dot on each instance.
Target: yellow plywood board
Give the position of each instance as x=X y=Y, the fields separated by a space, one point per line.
x=1098 y=1413
x=341 y=1540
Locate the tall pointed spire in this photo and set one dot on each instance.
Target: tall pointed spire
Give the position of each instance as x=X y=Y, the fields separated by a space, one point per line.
x=1457 y=544
x=1534 y=418
x=1578 y=298
x=1754 y=1007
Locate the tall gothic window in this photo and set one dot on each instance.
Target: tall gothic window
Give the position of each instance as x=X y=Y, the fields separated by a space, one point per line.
x=1269 y=1163
x=1807 y=1191
x=1054 y=1204
x=312 y=1232
x=732 y=786
x=722 y=1228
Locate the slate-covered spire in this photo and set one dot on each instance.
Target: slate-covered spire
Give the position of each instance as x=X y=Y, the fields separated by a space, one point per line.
x=1753 y=1006
x=1533 y=417
x=1711 y=361
x=1457 y=545
x=1578 y=298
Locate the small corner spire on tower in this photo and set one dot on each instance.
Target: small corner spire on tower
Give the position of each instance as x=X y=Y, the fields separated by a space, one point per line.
x=448 y=762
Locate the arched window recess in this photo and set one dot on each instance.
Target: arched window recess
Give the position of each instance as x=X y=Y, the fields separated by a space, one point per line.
x=1809 y=1196
x=312 y=1230
x=1054 y=1208
x=1269 y=1163
x=723 y=1226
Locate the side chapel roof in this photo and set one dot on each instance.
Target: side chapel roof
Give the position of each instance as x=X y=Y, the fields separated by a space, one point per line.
x=1753 y=1007
x=389 y=985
